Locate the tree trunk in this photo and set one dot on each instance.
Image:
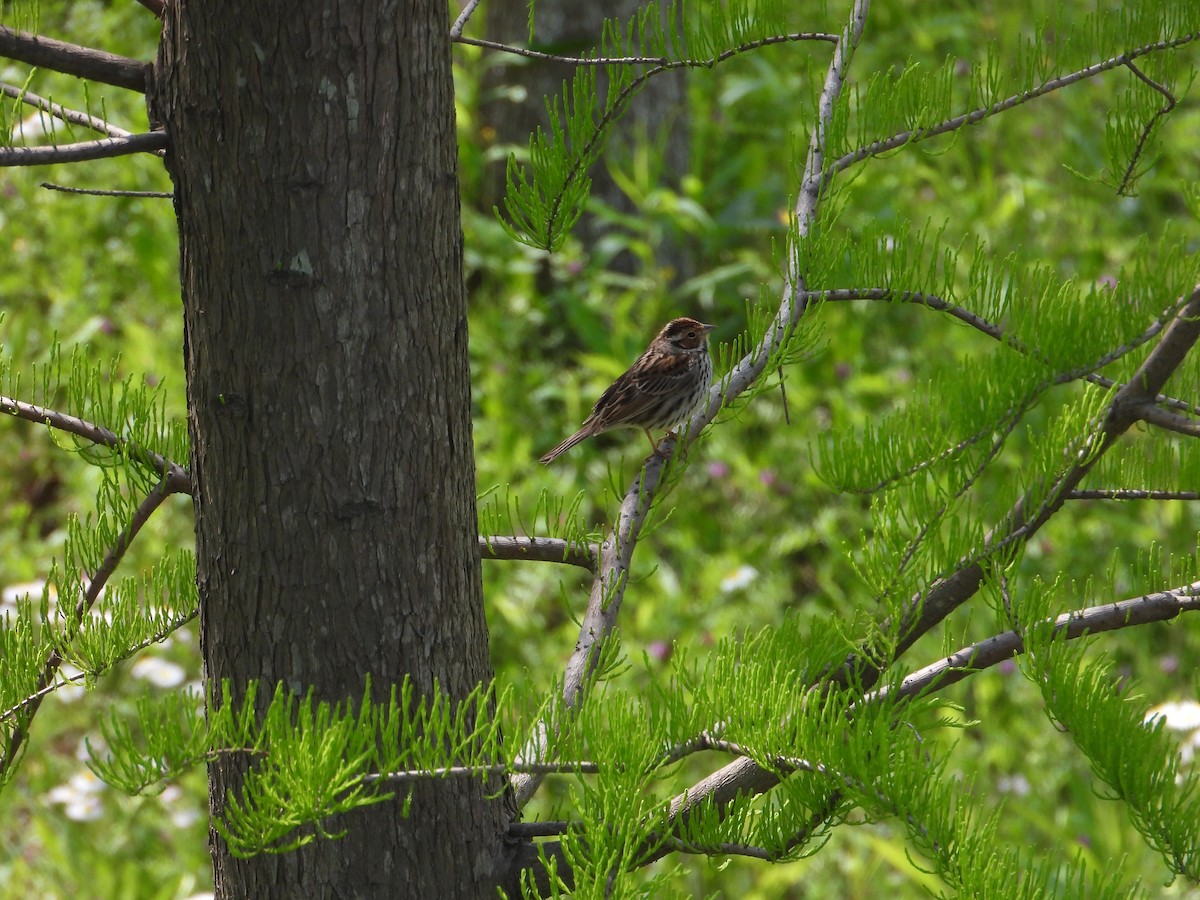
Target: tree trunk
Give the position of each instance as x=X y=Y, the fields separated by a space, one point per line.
x=314 y=160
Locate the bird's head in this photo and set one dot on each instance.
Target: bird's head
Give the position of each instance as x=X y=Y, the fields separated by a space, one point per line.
x=685 y=334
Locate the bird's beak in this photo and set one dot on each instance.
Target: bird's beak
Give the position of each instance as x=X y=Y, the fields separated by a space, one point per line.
x=708 y=328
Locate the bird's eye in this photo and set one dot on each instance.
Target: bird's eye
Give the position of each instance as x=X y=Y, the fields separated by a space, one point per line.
x=691 y=334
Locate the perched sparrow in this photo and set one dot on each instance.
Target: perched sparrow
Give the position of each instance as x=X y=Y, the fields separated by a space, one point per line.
x=662 y=389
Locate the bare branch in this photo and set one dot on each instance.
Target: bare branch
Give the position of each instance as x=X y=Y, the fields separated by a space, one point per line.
x=74 y=116
x=1153 y=414
x=1116 y=494
x=527 y=830
x=92 y=192
x=71 y=59
x=660 y=63
x=460 y=23
x=104 y=148
x=921 y=134
x=179 y=481
x=608 y=588
x=919 y=298
x=577 y=767
x=674 y=844
x=1157 y=607
x=1161 y=399
x=1147 y=128
x=538 y=549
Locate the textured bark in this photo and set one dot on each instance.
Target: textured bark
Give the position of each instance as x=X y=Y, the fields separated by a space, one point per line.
x=314 y=159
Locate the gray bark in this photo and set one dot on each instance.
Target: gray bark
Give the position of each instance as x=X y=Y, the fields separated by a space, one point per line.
x=315 y=166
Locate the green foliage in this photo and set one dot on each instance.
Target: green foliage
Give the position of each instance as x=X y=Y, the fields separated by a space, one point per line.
x=310 y=760
x=944 y=428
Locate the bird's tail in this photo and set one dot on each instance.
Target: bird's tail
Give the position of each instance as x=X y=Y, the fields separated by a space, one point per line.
x=580 y=435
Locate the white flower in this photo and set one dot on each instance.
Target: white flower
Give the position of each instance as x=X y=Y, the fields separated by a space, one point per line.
x=1181 y=715
x=79 y=797
x=14 y=592
x=1017 y=785
x=159 y=672
x=34 y=127
x=98 y=749
x=182 y=816
x=741 y=577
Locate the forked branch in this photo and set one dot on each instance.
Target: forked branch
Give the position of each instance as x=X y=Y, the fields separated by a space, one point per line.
x=616 y=551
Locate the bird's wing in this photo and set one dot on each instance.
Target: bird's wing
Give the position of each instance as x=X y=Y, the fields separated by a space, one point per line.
x=639 y=388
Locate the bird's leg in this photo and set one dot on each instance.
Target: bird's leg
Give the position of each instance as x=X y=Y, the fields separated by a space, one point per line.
x=654 y=447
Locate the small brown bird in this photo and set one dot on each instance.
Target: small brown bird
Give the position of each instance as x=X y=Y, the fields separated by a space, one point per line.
x=666 y=385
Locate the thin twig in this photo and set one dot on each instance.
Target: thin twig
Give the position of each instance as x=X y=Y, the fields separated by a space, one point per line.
x=582 y=158
x=1147 y=128
x=1122 y=494
x=916 y=135
x=149 y=142
x=660 y=63
x=1152 y=414
x=73 y=116
x=935 y=517
x=578 y=767
x=91 y=192
x=71 y=59
x=787 y=418
x=997 y=333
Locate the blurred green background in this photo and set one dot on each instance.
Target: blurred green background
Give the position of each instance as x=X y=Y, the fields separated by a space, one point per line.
x=754 y=535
